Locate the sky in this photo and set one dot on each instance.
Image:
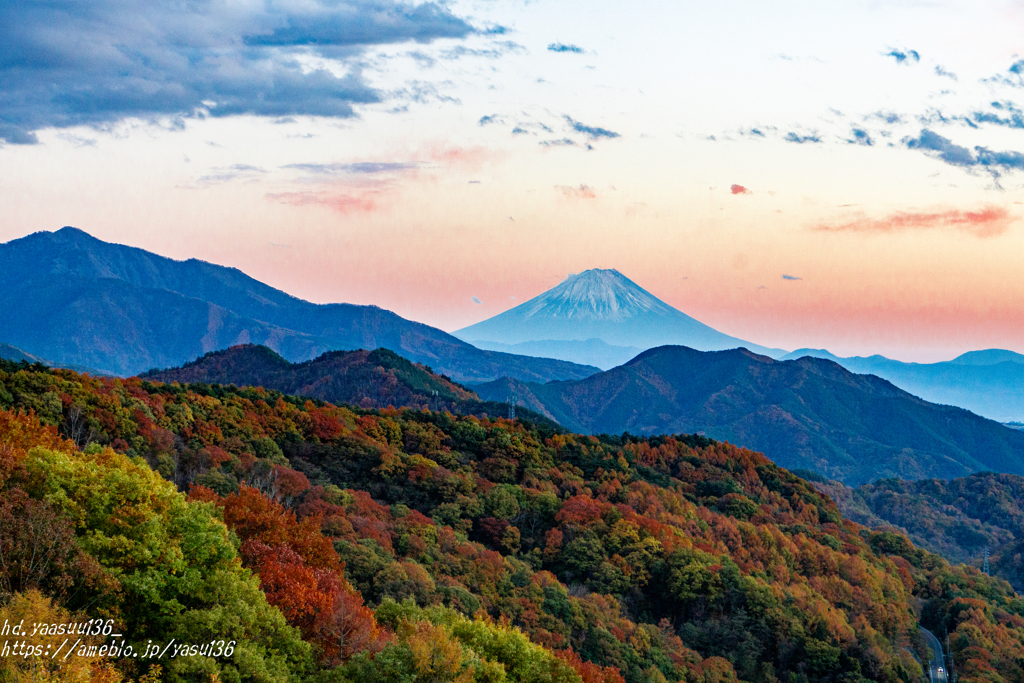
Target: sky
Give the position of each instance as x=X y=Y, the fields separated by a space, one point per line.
x=840 y=175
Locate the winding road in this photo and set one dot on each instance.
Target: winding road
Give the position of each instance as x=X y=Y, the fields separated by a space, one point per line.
x=936 y=671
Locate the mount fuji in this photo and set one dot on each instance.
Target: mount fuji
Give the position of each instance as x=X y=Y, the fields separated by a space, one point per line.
x=573 y=319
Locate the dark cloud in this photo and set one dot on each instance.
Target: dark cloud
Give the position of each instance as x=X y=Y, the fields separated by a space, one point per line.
x=801 y=139
x=592 y=131
x=564 y=142
x=1013 y=77
x=476 y=300
x=561 y=47
x=889 y=117
x=360 y=22
x=361 y=167
x=942 y=148
x=519 y=131
x=490 y=118
x=1011 y=117
x=66 y=63
x=994 y=162
x=903 y=56
x=791 y=277
x=861 y=137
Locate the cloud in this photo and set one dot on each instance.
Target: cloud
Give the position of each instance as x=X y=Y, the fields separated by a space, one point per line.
x=77 y=140
x=420 y=92
x=500 y=49
x=801 y=139
x=564 y=142
x=233 y=172
x=561 y=47
x=338 y=201
x=903 y=56
x=581 y=192
x=739 y=189
x=941 y=71
x=791 y=277
x=464 y=157
x=65 y=63
x=989 y=221
x=359 y=22
x=593 y=131
x=475 y=300
x=1014 y=117
x=861 y=137
x=889 y=117
x=492 y=118
x=942 y=148
x=994 y=162
x=360 y=167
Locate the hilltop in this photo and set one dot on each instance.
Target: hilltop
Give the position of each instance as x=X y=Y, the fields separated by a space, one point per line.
x=807 y=413
x=989 y=382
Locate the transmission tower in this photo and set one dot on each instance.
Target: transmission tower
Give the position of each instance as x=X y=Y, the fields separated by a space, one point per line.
x=986 y=560
x=512 y=401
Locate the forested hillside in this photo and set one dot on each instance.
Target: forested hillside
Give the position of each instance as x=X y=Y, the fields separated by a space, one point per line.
x=808 y=413
x=369 y=379
x=401 y=545
x=957 y=519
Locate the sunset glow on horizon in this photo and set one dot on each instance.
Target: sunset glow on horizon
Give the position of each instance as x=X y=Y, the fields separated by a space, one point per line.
x=848 y=179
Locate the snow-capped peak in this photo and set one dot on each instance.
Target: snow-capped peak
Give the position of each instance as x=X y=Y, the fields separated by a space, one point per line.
x=596 y=294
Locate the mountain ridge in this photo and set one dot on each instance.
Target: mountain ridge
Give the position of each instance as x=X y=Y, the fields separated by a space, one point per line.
x=808 y=413
x=72 y=297
x=989 y=382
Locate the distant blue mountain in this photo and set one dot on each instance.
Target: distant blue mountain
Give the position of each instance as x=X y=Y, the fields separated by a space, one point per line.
x=988 y=382
x=604 y=305
x=78 y=300
x=13 y=353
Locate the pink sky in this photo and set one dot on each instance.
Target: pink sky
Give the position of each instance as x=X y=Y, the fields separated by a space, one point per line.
x=704 y=152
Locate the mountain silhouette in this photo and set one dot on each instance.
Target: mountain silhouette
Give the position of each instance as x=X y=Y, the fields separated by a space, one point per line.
x=988 y=382
x=808 y=413
x=75 y=299
x=601 y=305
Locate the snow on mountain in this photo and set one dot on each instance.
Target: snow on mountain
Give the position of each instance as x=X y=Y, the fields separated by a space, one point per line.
x=606 y=305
